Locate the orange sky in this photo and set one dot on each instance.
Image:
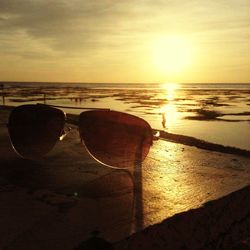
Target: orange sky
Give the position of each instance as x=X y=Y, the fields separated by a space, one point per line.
x=125 y=41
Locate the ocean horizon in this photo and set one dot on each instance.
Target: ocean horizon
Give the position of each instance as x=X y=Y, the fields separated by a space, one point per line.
x=128 y=84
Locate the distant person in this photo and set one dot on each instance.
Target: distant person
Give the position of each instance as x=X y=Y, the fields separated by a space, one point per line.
x=163 y=120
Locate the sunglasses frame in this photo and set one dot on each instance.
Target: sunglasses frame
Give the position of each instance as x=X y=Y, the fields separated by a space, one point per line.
x=66 y=120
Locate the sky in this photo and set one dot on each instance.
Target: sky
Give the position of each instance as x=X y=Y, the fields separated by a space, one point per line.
x=125 y=40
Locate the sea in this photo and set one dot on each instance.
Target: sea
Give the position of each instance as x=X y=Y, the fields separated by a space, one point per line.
x=213 y=112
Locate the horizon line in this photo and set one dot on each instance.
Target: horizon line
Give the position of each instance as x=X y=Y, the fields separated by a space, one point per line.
x=77 y=82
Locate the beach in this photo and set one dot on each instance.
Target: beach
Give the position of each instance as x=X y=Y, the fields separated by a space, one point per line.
x=60 y=200
x=125 y=125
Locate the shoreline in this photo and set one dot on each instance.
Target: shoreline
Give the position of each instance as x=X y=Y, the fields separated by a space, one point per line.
x=192 y=141
x=220 y=116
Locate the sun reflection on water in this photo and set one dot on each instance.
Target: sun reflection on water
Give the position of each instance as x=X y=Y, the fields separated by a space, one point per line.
x=169 y=111
x=170 y=89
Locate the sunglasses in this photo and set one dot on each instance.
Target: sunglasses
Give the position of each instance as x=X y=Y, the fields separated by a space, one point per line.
x=113 y=138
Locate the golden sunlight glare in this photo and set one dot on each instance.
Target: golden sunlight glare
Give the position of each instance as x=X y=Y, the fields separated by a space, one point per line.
x=169 y=111
x=172 y=54
x=170 y=115
x=170 y=89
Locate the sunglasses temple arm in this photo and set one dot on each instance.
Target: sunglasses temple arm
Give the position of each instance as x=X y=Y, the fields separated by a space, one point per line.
x=155 y=135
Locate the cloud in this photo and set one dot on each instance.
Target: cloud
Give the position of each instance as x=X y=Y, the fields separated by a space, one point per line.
x=84 y=27
x=68 y=25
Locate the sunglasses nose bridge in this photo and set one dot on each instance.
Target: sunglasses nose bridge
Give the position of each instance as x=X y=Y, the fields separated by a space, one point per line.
x=65 y=132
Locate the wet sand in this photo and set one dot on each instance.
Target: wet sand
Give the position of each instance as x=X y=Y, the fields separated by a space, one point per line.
x=58 y=202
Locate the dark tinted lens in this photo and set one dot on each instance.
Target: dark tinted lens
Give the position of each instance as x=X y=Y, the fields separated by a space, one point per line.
x=114 y=138
x=34 y=129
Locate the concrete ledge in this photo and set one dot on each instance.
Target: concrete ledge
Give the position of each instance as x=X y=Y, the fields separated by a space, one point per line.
x=60 y=200
x=219 y=224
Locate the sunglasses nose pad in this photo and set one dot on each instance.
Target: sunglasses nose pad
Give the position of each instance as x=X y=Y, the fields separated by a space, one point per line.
x=34 y=129
x=64 y=133
x=114 y=138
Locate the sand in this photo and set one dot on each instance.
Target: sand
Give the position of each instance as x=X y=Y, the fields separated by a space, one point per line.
x=57 y=202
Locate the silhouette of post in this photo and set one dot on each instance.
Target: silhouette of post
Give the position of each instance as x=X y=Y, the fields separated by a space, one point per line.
x=3 y=97
x=44 y=98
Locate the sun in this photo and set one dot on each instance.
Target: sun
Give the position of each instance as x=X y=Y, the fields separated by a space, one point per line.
x=172 y=54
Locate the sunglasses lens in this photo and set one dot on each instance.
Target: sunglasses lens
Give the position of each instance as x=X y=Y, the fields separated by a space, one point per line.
x=114 y=138
x=34 y=129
